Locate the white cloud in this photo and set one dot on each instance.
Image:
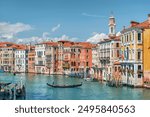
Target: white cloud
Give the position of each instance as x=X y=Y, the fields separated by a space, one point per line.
x=64 y=37
x=8 y=30
x=7 y=36
x=32 y=40
x=91 y=15
x=56 y=28
x=35 y=39
x=97 y=37
x=46 y=35
x=118 y=34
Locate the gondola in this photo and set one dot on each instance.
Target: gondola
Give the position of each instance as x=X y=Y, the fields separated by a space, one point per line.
x=4 y=84
x=64 y=86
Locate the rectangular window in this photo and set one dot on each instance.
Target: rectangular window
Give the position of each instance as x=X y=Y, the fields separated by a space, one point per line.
x=71 y=63
x=74 y=63
x=112 y=53
x=40 y=62
x=39 y=53
x=132 y=36
x=117 y=44
x=118 y=52
x=139 y=55
x=139 y=67
x=55 y=57
x=123 y=39
x=87 y=63
x=87 y=57
x=127 y=38
x=139 y=75
x=115 y=69
x=139 y=37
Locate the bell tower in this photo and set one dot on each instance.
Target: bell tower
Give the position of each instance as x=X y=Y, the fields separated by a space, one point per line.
x=112 y=26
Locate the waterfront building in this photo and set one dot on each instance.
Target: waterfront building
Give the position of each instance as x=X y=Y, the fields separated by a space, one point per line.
x=31 y=59
x=46 y=57
x=74 y=57
x=85 y=58
x=104 y=57
x=64 y=56
x=40 y=58
x=109 y=52
x=115 y=57
x=21 y=59
x=96 y=70
x=7 y=56
x=67 y=56
x=51 y=57
x=135 y=53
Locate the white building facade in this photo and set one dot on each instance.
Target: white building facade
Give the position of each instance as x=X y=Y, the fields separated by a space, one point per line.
x=45 y=58
x=21 y=60
x=109 y=51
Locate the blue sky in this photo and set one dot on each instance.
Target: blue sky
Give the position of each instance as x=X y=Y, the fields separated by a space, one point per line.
x=74 y=18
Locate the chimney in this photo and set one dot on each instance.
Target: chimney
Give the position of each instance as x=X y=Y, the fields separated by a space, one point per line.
x=149 y=18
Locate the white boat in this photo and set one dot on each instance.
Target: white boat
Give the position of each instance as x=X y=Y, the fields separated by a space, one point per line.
x=88 y=79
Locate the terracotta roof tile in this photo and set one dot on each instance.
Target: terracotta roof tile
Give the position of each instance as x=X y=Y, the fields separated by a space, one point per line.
x=144 y=24
x=50 y=43
x=67 y=44
x=94 y=45
x=64 y=41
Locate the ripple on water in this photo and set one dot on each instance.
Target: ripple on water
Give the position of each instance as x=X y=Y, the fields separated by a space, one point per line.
x=37 y=89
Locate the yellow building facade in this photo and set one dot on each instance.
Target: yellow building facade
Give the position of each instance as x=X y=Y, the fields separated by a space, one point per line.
x=146 y=55
x=135 y=50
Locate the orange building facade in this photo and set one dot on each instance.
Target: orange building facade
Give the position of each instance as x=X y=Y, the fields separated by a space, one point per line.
x=31 y=60
x=65 y=57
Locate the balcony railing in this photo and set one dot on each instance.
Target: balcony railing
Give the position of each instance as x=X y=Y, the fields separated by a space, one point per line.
x=66 y=65
x=140 y=71
x=39 y=56
x=39 y=65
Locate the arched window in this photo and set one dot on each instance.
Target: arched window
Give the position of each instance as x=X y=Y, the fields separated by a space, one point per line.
x=127 y=53
x=111 y=29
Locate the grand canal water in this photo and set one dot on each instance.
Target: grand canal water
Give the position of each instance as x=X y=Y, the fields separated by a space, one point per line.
x=36 y=89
